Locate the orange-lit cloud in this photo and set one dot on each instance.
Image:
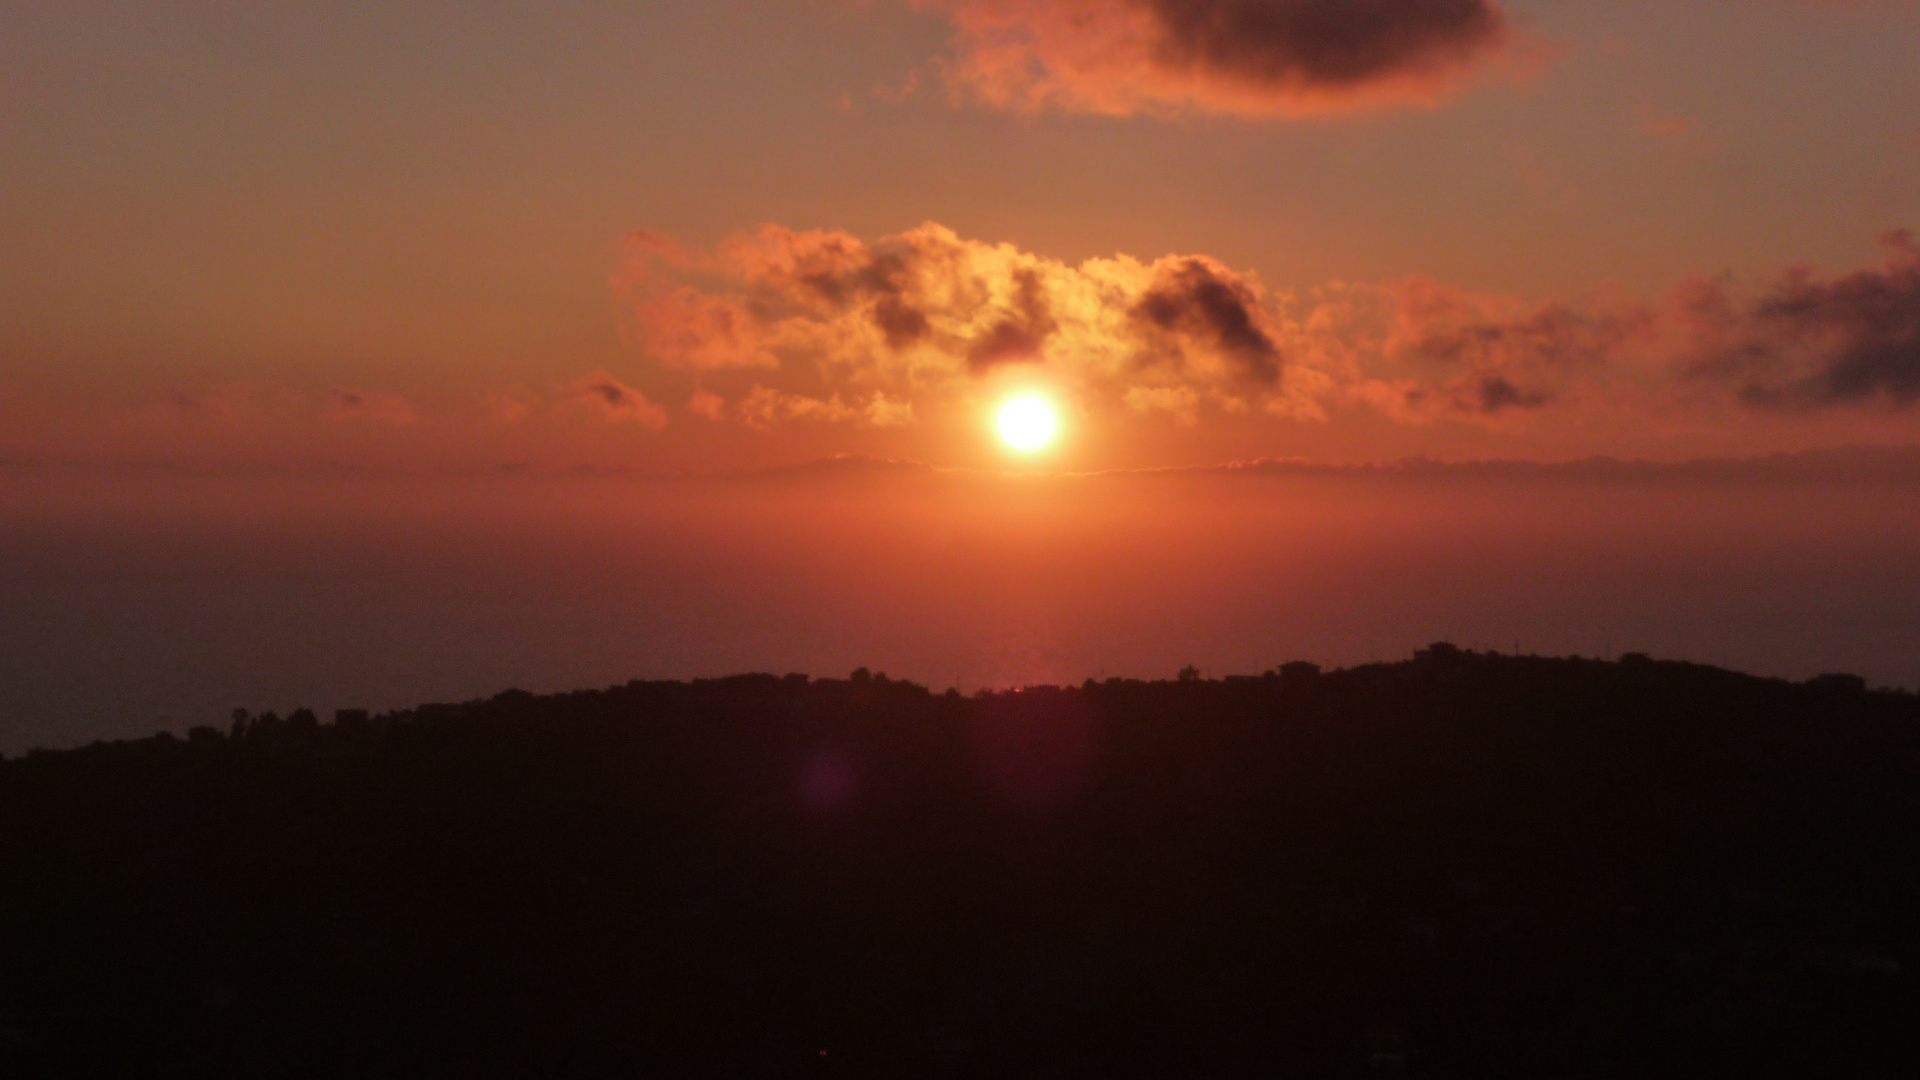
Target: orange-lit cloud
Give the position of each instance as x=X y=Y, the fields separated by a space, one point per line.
x=1180 y=402
x=888 y=332
x=846 y=331
x=1255 y=58
x=767 y=408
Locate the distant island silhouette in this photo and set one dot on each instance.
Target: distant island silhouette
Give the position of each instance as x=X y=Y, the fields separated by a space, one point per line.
x=1464 y=864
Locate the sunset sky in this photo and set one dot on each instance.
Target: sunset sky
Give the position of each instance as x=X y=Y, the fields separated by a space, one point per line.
x=360 y=353
x=744 y=234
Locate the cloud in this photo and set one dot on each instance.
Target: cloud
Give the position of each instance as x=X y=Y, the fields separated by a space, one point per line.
x=1255 y=58
x=766 y=408
x=509 y=406
x=618 y=402
x=1810 y=343
x=1196 y=301
x=927 y=313
x=1495 y=393
x=1022 y=332
x=846 y=331
x=712 y=406
x=892 y=331
x=676 y=324
x=1798 y=342
x=1487 y=354
x=358 y=406
x=884 y=411
x=1181 y=402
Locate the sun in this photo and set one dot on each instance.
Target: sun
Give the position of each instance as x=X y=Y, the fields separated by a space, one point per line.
x=1028 y=423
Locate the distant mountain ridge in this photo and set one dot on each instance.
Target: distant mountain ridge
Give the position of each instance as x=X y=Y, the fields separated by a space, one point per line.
x=1843 y=464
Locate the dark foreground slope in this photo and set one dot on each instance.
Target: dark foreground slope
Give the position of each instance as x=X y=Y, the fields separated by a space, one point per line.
x=1459 y=866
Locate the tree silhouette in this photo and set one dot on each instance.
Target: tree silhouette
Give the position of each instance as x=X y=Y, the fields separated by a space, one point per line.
x=1462 y=865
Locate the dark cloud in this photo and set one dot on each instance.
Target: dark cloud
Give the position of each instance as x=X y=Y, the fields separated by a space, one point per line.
x=845 y=274
x=617 y=401
x=1022 y=334
x=608 y=392
x=1331 y=43
x=1863 y=331
x=1496 y=393
x=1804 y=342
x=890 y=287
x=1196 y=299
x=903 y=324
x=1248 y=57
x=1810 y=343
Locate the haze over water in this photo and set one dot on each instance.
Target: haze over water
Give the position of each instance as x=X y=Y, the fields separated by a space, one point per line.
x=136 y=603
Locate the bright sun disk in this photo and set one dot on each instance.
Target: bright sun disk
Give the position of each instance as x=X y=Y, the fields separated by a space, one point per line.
x=1027 y=423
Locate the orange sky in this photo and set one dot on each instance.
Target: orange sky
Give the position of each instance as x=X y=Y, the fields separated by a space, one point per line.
x=743 y=234
x=361 y=354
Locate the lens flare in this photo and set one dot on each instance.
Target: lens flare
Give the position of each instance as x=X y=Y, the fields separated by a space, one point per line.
x=1027 y=423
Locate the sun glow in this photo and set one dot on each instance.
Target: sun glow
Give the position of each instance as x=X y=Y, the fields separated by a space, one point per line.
x=1027 y=423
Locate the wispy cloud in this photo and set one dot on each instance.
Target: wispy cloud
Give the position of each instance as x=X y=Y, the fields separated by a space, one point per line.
x=618 y=402
x=359 y=406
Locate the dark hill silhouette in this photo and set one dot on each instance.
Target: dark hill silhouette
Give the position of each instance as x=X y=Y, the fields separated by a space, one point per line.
x=1462 y=865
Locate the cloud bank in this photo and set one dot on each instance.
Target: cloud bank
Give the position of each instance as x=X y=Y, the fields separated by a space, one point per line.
x=826 y=341
x=825 y=326
x=776 y=327
x=1255 y=58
